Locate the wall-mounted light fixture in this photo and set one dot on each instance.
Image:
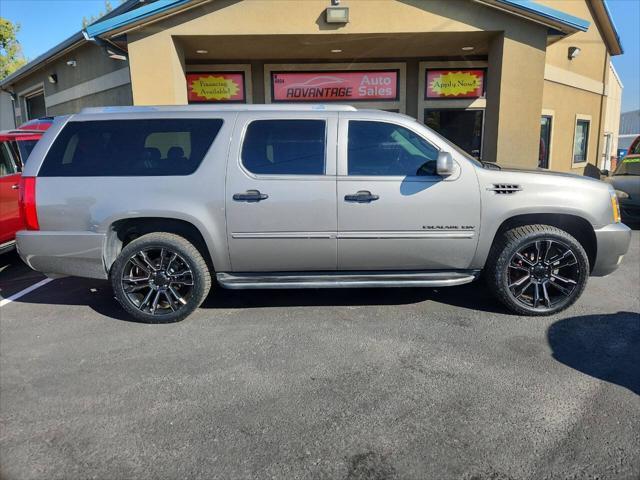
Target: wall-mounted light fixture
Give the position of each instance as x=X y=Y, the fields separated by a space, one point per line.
x=53 y=78
x=573 y=52
x=72 y=63
x=335 y=14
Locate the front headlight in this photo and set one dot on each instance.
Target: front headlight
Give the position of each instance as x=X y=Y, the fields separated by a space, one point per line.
x=615 y=207
x=621 y=194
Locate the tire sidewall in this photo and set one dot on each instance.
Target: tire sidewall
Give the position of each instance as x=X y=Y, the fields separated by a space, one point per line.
x=200 y=283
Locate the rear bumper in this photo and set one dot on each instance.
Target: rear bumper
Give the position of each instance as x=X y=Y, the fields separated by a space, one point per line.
x=63 y=253
x=613 y=242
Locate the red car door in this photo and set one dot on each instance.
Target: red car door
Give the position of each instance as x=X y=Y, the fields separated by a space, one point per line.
x=10 y=221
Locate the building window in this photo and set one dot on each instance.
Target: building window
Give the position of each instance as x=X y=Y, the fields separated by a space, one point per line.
x=35 y=106
x=284 y=147
x=581 y=141
x=545 y=141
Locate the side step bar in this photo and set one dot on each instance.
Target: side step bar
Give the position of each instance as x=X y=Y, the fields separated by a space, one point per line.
x=239 y=281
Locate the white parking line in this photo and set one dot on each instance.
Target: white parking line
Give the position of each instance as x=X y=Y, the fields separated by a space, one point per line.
x=21 y=293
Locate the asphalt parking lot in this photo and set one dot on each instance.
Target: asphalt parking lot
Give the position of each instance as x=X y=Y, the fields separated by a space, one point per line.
x=346 y=384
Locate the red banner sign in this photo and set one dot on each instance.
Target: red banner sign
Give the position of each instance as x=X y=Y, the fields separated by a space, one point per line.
x=454 y=83
x=215 y=87
x=334 y=86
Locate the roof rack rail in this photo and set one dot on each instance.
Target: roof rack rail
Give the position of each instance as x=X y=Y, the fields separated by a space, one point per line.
x=233 y=108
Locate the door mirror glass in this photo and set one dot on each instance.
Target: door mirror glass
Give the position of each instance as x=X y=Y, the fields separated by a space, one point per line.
x=604 y=172
x=444 y=164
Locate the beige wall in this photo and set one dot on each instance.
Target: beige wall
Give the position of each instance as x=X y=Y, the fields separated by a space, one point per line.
x=593 y=55
x=567 y=102
x=613 y=107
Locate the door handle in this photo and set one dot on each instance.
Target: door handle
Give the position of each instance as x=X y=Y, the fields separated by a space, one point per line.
x=250 y=196
x=15 y=187
x=363 y=196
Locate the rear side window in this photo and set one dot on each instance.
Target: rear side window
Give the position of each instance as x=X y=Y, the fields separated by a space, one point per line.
x=130 y=148
x=285 y=147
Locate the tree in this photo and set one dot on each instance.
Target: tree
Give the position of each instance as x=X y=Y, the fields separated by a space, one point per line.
x=86 y=21
x=11 y=57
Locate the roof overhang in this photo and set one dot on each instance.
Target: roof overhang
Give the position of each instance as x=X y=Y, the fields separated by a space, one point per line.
x=133 y=19
x=561 y=22
x=607 y=27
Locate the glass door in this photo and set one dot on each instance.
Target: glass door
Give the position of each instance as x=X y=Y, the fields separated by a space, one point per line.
x=461 y=126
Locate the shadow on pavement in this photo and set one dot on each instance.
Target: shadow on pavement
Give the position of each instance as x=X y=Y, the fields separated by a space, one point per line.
x=603 y=346
x=97 y=295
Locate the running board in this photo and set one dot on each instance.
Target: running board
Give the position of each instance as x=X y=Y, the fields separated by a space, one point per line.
x=239 y=281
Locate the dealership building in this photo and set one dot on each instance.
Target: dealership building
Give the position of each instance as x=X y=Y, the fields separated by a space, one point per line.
x=510 y=81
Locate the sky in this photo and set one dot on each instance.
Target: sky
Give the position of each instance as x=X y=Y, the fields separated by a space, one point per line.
x=44 y=23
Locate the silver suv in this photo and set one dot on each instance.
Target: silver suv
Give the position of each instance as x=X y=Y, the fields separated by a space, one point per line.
x=158 y=198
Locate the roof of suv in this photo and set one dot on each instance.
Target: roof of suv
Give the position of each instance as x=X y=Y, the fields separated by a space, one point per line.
x=308 y=107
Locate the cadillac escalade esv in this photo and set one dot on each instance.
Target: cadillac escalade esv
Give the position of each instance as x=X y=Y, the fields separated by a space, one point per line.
x=162 y=200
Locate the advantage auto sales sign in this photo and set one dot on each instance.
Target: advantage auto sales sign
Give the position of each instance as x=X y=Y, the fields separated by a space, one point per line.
x=369 y=85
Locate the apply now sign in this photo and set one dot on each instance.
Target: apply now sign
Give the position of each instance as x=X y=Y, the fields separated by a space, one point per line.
x=454 y=83
x=327 y=86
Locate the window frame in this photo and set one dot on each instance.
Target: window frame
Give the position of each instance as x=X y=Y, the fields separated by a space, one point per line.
x=551 y=114
x=587 y=119
x=328 y=171
x=344 y=166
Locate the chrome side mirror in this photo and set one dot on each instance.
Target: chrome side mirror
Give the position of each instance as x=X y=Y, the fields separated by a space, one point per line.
x=444 y=164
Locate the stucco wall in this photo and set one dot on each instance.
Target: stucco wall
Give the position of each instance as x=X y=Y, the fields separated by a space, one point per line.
x=91 y=63
x=565 y=103
x=112 y=97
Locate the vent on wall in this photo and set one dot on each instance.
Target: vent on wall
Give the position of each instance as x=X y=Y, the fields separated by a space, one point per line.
x=504 y=188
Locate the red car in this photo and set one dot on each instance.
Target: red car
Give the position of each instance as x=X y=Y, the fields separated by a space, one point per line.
x=37 y=124
x=15 y=147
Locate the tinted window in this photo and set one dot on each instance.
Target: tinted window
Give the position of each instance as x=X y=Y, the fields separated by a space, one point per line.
x=284 y=147
x=130 y=147
x=377 y=148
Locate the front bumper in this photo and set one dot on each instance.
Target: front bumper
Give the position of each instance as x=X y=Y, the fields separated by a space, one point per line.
x=613 y=242
x=63 y=253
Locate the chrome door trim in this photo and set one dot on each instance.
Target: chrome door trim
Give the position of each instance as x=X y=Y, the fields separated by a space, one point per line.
x=410 y=235
x=263 y=235
x=427 y=234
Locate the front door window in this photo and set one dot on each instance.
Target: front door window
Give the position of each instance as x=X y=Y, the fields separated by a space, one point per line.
x=462 y=127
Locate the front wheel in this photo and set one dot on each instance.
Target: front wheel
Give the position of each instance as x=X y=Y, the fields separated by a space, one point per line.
x=160 y=278
x=537 y=270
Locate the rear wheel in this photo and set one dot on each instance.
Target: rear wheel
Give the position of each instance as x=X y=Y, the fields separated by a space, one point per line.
x=537 y=270
x=160 y=278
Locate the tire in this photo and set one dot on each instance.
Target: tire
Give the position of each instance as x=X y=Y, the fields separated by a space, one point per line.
x=177 y=278
x=556 y=264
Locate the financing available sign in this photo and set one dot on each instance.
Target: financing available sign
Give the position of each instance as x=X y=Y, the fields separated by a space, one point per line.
x=335 y=86
x=463 y=83
x=215 y=87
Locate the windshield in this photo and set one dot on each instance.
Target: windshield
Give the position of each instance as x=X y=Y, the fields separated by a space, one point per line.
x=628 y=166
